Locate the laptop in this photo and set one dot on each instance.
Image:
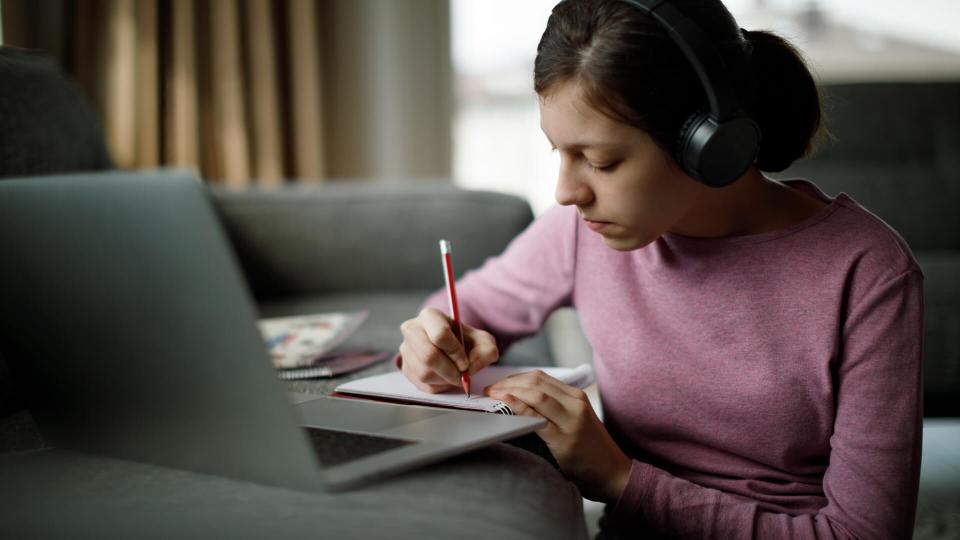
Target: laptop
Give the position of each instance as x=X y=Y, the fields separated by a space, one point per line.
x=125 y=318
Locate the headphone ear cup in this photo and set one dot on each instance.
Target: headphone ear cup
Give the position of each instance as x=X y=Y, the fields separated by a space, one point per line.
x=685 y=155
x=715 y=153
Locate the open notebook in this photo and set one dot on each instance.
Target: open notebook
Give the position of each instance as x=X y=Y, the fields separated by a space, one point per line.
x=395 y=387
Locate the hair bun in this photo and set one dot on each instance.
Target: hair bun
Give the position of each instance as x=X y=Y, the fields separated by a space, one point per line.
x=747 y=41
x=786 y=104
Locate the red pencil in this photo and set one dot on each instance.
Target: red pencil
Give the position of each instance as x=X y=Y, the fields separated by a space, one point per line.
x=445 y=252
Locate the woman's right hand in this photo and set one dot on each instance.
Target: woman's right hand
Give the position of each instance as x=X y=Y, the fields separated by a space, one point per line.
x=433 y=358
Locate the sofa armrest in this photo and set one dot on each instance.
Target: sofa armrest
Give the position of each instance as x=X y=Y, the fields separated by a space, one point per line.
x=309 y=240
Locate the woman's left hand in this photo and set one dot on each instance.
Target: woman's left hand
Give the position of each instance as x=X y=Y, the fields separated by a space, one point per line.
x=587 y=454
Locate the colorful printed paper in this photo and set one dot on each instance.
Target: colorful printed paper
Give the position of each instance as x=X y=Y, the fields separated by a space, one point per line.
x=303 y=340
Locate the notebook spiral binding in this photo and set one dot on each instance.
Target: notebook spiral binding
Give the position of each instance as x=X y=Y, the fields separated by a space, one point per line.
x=303 y=373
x=503 y=408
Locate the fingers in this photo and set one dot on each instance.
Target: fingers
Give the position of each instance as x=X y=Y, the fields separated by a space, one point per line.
x=439 y=330
x=433 y=357
x=419 y=374
x=483 y=348
x=561 y=404
x=536 y=379
x=428 y=364
x=520 y=408
x=544 y=402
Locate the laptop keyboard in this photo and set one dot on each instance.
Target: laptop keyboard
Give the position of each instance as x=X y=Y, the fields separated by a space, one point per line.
x=335 y=447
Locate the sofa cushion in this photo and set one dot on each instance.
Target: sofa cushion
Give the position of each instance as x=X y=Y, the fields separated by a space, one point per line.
x=332 y=238
x=498 y=492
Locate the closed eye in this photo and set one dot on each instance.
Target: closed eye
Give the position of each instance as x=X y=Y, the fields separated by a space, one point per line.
x=606 y=168
x=598 y=168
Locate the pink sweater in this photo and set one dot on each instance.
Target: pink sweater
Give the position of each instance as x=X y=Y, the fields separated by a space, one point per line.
x=765 y=386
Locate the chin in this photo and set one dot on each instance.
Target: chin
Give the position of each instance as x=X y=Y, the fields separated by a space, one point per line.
x=629 y=243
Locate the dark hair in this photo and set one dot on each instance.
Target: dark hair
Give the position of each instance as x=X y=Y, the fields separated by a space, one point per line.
x=630 y=69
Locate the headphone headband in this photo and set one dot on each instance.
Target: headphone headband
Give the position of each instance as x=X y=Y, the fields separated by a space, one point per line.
x=718 y=146
x=699 y=51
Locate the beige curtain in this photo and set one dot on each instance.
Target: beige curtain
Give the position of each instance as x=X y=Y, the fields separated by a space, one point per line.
x=259 y=91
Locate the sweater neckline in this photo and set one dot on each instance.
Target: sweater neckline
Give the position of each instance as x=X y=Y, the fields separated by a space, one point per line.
x=803 y=185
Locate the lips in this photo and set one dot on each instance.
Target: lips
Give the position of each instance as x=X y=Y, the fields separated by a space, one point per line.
x=597 y=226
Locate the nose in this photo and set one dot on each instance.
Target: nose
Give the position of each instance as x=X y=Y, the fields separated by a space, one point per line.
x=571 y=190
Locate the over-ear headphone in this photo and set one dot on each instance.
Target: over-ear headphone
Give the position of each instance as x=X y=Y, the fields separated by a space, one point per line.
x=715 y=147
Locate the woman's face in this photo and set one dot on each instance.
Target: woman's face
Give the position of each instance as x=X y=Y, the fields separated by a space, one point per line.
x=625 y=186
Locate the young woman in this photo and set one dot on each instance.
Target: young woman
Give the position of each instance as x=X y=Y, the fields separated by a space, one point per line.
x=757 y=346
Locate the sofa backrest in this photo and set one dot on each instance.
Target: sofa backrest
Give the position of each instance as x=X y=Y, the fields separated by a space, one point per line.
x=46 y=124
x=362 y=236
x=9 y=400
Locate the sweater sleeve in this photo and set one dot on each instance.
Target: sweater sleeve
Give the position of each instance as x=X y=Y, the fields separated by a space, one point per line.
x=511 y=295
x=872 y=479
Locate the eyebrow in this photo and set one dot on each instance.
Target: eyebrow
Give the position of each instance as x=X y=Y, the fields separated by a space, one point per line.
x=582 y=144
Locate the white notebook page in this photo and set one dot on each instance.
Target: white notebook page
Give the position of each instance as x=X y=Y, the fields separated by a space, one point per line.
x=394 y=385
